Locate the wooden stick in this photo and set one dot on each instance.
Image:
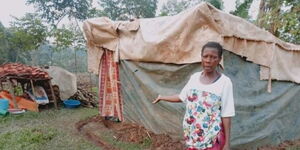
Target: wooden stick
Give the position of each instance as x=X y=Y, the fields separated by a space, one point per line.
x=32 y=88
x=12 y=93
x=52 y=93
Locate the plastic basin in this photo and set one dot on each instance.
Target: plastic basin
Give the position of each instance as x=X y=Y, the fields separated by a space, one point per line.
x=71 y=103
x=4 y=104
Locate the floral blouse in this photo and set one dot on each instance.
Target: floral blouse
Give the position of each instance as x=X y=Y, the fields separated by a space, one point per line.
x=205 y=105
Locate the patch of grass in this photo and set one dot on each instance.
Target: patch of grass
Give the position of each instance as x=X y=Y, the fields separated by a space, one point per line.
x=46 y=130
x=31 y=139
x=129 y=146
x=146 y=142
x=132 y=146
x=95 y=90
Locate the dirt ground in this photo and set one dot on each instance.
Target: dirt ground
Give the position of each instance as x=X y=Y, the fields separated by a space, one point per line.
x=290 y=145
x=125 y=132
x=95 y=129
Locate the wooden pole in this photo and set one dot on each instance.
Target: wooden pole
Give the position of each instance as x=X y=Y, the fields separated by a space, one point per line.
x=32 y=88
x=33 y=91
x=12 y=93
x=52 y=93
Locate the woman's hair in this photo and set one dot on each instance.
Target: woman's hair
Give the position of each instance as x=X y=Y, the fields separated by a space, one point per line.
x=215 y=45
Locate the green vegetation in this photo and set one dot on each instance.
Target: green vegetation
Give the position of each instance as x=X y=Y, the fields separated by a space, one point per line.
x=54 y=11
x=281 y=18
x=173 y=7
x=47 y=130
x=128 y=9
x=33 y=138
x=54 y=129
x=242 y=9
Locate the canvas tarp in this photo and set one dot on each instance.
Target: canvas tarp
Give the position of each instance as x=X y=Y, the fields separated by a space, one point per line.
x=157 y=56
x=178 y=39
x=261 y=118
x=66 y=81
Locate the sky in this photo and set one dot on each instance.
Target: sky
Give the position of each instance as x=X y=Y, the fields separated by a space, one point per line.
x=18 y=8
x=15 y=8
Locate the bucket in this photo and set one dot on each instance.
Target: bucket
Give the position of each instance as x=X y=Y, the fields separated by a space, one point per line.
x=3 y=112
x=4 y=104
x=3 y=107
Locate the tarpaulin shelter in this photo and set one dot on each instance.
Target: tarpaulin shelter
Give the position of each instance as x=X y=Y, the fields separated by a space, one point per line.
x=27 y=77
x=65 y=80
x=155 y=56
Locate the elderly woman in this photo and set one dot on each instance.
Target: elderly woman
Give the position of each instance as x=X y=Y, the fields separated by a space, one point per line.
x=208 y=96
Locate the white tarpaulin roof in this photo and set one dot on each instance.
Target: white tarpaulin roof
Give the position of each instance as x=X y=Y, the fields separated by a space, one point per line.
x=178 y=39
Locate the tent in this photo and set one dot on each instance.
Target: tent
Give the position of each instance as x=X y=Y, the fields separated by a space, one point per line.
x=137 y=60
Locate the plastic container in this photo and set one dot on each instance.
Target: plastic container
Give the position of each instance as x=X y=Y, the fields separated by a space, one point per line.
x=71 y=103
x=3 y=107
x=4 y=104
x=16 y=111
x=3 y=112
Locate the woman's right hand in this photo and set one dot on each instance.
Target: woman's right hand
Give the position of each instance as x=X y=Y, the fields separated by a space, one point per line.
x=157 y=99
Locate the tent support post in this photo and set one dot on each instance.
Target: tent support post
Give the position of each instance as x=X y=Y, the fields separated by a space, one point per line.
x=270 y=82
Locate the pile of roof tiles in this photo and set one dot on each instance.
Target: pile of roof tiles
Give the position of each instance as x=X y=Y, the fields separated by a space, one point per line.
x=22 y=71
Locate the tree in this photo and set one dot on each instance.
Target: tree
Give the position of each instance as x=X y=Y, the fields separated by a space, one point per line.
x=25 y=34
x=217 y=3
x=242 y=9
x=3 y=44
x=69 y=38
x=128 y=9
x=173 y=7
x=28 y=32
x=55 y=10
x=281 y=18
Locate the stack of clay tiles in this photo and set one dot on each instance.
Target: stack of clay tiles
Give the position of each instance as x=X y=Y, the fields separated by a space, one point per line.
x=17 y=70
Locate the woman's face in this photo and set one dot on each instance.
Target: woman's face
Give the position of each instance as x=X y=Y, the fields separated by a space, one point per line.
x=210 y=59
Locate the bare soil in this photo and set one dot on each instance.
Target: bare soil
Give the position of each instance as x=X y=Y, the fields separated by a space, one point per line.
x=125 y=132
x=94 y=128
x=283 y=146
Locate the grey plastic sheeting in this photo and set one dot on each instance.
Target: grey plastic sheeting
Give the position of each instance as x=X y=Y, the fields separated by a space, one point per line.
x=262 y=118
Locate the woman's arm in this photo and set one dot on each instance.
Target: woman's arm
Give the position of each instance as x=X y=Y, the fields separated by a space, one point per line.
x=172 y=99
x=227 y=125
